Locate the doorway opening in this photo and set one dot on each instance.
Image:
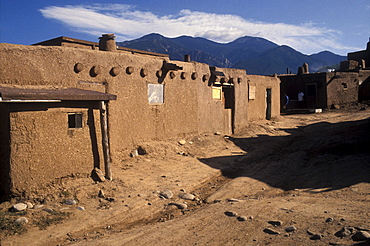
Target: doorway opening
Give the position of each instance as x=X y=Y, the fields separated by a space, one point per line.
x=229 y=104
x=268 y=103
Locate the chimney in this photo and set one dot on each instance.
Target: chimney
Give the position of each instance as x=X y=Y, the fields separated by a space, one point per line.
x=186 y=58
x=305 y=68
x=107 y=42
x=300 y=70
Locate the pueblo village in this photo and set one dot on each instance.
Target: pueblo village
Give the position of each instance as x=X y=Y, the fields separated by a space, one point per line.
x=108 y=145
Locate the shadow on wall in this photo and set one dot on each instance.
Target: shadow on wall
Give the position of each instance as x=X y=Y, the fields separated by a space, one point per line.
x=318 y=157
x=5 y=139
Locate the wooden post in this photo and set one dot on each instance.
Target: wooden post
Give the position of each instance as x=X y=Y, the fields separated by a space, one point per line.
x=105 y=140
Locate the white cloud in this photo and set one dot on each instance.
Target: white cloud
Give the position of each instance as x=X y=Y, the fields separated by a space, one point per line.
x=128 y=23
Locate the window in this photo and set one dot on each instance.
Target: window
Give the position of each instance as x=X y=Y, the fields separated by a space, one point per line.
x=252 y=92
x=74 y=120
x=155 y=93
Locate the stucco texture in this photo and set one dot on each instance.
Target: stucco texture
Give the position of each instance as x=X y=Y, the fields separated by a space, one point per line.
x=41 y=145
x=257 y=106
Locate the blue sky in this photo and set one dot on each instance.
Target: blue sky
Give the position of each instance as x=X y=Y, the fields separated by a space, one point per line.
x=310 y=26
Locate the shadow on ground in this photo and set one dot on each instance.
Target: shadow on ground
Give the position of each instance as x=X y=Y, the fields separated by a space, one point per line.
x=318 y=157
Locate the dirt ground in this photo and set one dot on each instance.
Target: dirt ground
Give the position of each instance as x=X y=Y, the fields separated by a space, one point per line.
x=297 y=180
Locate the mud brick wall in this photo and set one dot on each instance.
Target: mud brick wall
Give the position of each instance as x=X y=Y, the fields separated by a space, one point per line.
x=41 y=147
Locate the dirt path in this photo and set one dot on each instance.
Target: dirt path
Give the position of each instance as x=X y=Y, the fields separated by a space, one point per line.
x=308 y=171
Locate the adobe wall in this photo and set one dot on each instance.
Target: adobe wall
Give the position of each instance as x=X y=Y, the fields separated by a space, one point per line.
x=333 y=89
x=364 y=85
x=359 y=56
x=342 y=88
x=237 y=118
x=242 y=109
x=209 y=115
x=132 y=119
x=257 y=101
x=43 y=148
x=292 y=84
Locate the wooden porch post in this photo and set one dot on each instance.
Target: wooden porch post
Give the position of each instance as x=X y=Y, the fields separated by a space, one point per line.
x=105 y=140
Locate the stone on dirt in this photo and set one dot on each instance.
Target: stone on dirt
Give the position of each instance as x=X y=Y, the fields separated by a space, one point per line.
x=233 y=200
x=316 y=237
x=182 y=142
x=290 y=229
x=70 y=202
x=275 y=222
x=242 y=218
x=166 y=194
x=310 y=233
x=49 y=210
x=271 y=232
x=182 y=153
x=329 y=220
x=101 y=194
x=231 y=213
x=187 y=196
x=19 y=207
x=178 y=205
x=21 y=220
x=344 y=232
x=361 y=236
x=29 y=205
x=98 y=175
x=134 y=153
x=360 y=228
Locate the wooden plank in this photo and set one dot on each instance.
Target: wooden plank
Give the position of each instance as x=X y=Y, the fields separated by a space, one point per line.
x=105 y=140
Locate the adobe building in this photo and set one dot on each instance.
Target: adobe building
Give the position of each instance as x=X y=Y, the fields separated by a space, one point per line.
x=360 y=61
x=68 y=106
x=362 y=57
x=336 y=89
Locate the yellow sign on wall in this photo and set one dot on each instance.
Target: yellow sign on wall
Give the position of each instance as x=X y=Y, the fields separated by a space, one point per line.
x=217 y=93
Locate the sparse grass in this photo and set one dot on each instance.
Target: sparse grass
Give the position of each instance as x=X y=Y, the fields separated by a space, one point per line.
x=8 y=226
x=65 y=193
x=54 y=217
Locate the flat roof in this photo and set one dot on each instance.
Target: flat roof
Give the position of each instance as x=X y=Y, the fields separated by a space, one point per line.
x=64 y=94
x=59 y=40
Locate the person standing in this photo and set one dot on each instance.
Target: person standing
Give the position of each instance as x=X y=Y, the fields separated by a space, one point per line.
x=286 y=101
x=300 y=96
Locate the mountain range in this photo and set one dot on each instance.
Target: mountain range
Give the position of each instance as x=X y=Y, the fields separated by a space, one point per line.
x=256 y=55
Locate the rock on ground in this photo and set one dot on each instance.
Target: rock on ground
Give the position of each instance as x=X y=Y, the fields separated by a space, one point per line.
x=178 y=205
x=187 y=196
x=19 y=207
x=21 y=220
x=290 y=229
x=166 y=194
x=361 y=236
